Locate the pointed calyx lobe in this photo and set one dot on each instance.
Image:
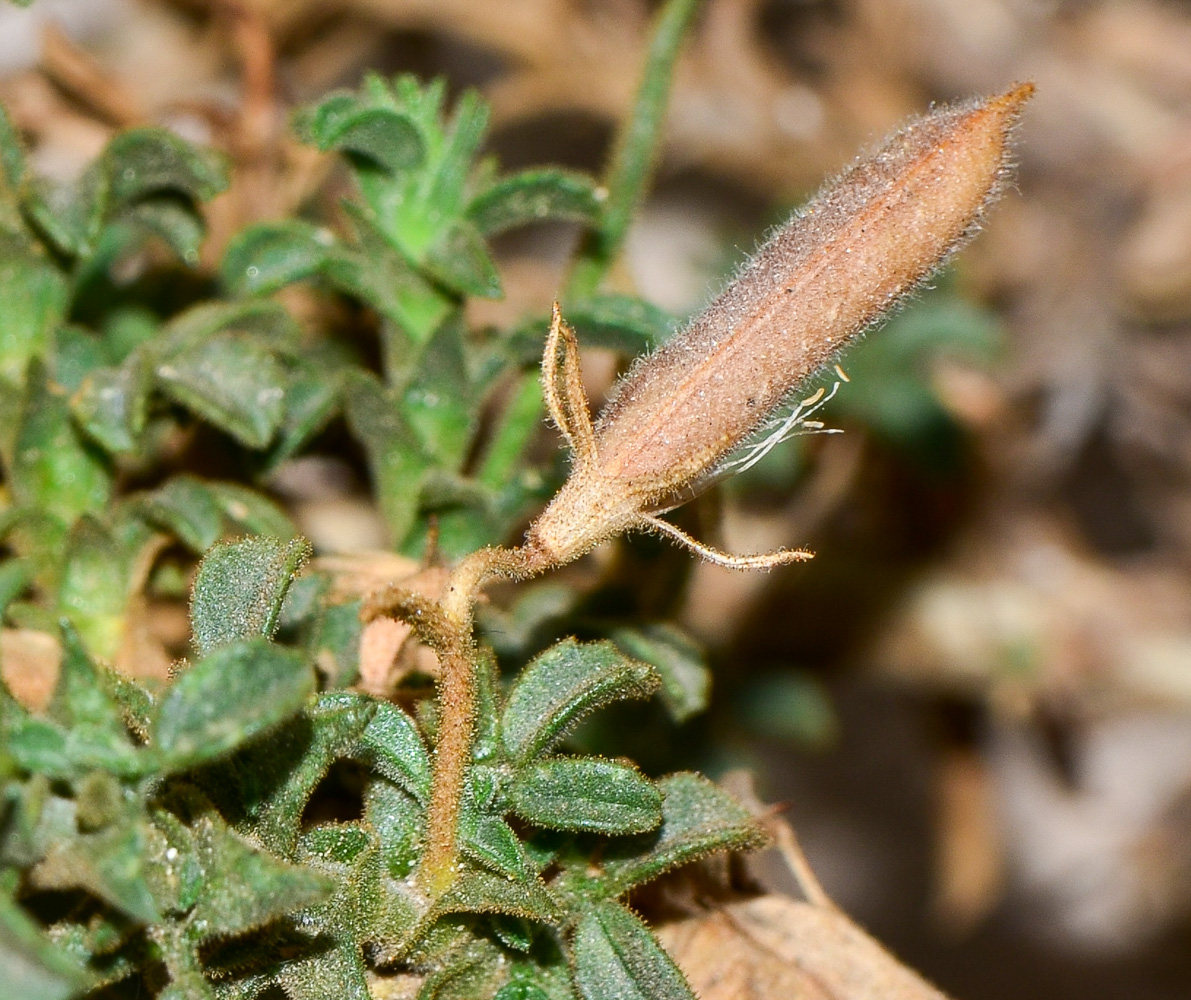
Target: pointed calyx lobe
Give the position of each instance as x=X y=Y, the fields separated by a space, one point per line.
x=858 y=247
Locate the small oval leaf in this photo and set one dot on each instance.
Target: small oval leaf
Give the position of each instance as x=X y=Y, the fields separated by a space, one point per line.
x=538 y=195
x=146 y=161
x=392 y=745
x=586 y=794
x=240 y=587
x=561 y=686
x=615 y=957
x=230 y=381
x=234 y=694
x=271 y=255
x=698 y=818
x=386 y=137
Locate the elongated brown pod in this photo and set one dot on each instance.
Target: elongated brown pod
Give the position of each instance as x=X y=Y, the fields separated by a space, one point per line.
x=858 y=247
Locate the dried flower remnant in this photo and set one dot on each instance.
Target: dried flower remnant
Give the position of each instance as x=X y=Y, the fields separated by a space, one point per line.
x=858 y=248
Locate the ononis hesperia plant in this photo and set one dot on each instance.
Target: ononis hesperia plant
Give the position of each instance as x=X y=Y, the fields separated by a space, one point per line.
x=681 y=414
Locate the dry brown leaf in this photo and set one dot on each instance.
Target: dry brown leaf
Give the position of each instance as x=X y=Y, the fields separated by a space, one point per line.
x=773 y=947
x=29 y=662
x=776 y=948
x=354 y=574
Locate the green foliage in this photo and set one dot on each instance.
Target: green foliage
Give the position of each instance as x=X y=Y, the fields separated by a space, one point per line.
x=561 y=686
x=616 y=958
x=239 y=588
x=599 y=796
x=250 y=824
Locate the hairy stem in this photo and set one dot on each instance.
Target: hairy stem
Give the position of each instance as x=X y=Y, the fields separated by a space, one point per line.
x=457 y=711
x=447 y=626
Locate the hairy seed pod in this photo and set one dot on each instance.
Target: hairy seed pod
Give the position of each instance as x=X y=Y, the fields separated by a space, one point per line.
x=856 y=249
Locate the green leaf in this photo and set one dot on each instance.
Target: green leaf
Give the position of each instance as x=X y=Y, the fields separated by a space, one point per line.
x=473 y=970
x=620 y=323
x=486 y=741
x=341 y=922
x=375 y=273
x=36 y=745
x=43 y=747
x=136 y=704
x=53 y=471
x=186 y=508
x=517 y=428
x=69 y=216
x=240 y=587
x=268 y=783
x=337 y=721
x=391 y=744
x=521 y=989
x=477 y=890
x=94 y=588
x=586 y=794
x=680 y=662
x=35 y=817
x=81 y=698
x=337 y=971
x=395 y=457
x=336 y=643
x=174 y=221
x=310 y=403
x=110 y=864
x=249 y=511
x=146 y=161
x=244 y=887
x=615 y=957
x=698 y=819
x=463 y=137
x=398 y=821
x=33 y=300
x=561 y=686
x=459 y=258
x=312 y=122
x=31 y=966
x=252 y=986
x=271 y=255
x=382 y=136
x=76 y=353
x=538 y=195
x=112 y=403
x=264 y=322
x=231 y=696
x=492 y=842
x=337 y=843
x=515 y=933
x=439 y=402
x=15 y=578
x=230 y=381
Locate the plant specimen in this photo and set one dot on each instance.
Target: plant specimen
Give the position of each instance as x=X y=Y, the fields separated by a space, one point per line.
x=161 y=837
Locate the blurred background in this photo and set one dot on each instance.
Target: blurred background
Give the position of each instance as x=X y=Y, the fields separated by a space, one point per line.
x=976 y=701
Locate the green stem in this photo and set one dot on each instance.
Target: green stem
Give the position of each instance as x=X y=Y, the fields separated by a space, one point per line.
x=518 y=426
x=635 y=152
